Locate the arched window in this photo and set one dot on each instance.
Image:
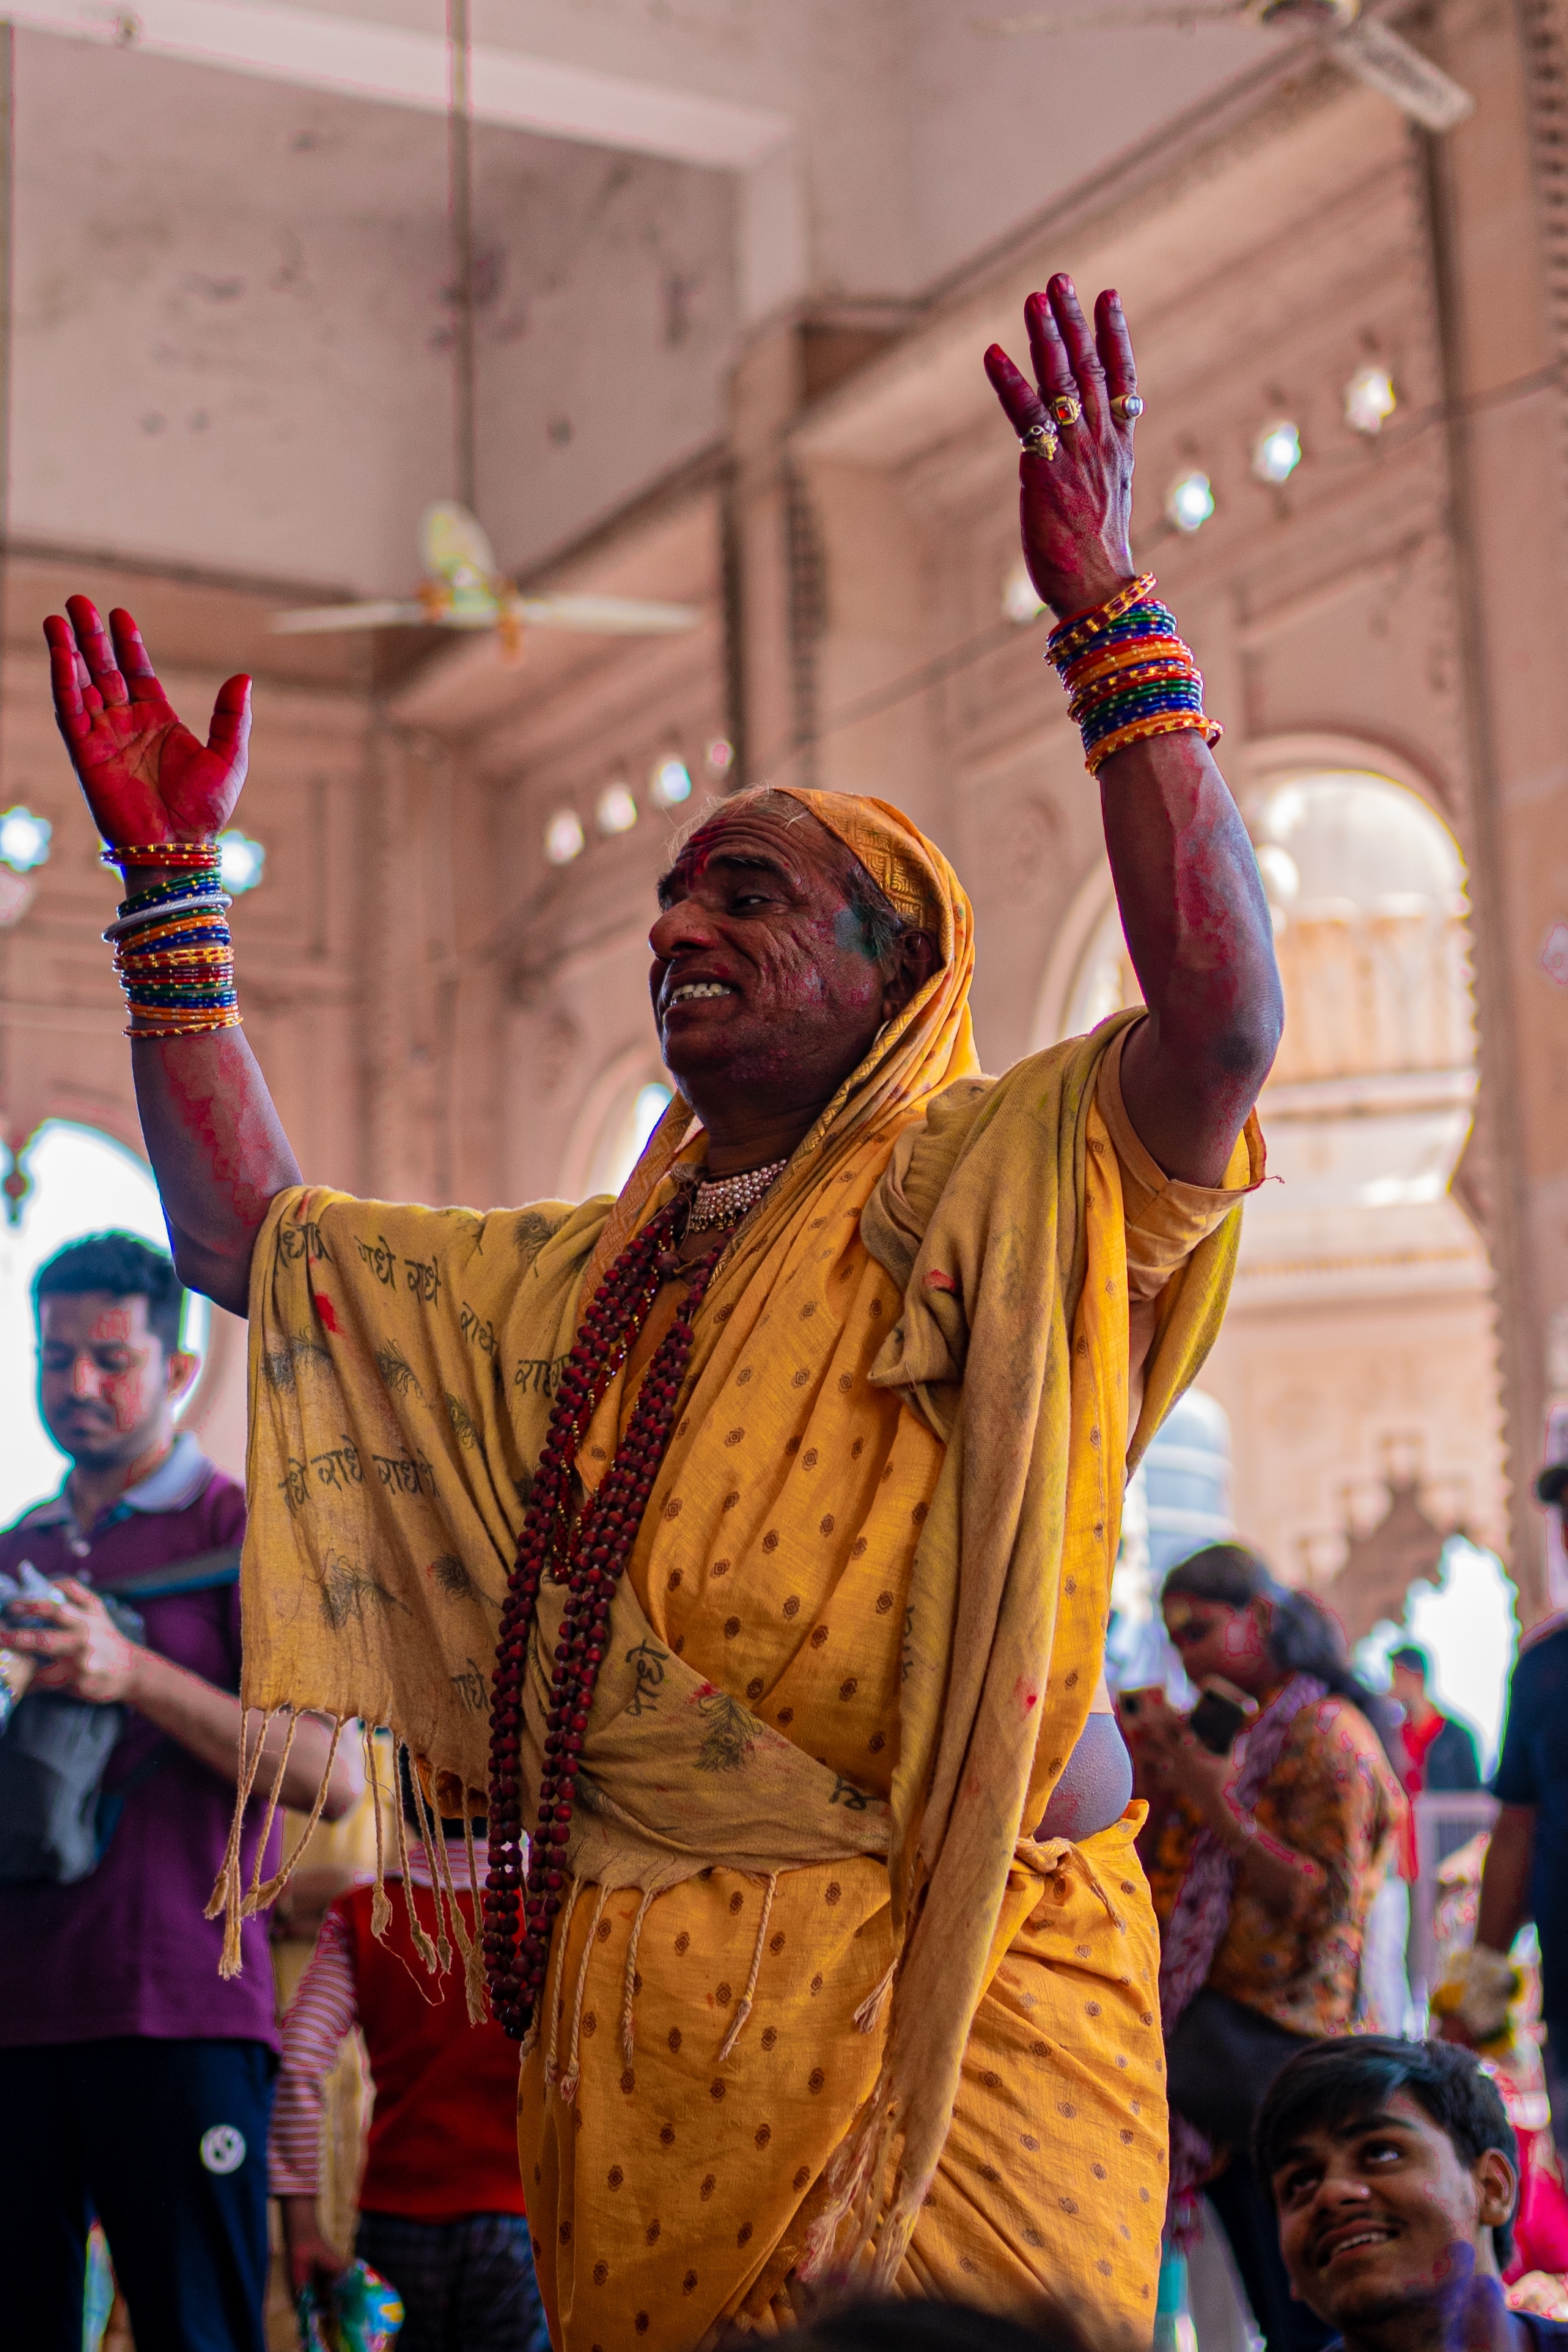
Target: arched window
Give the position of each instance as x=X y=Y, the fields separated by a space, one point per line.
x=1359 y=1329
x=79 y=1182
x=1368 y=893
x=1369 y=1103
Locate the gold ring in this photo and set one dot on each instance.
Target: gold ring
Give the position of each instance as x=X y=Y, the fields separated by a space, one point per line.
x=1127 y=407
x=1039 y=441
x=1067 y=408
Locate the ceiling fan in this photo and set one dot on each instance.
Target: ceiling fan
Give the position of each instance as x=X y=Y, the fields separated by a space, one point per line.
x=464 y=589
x=1363 y=45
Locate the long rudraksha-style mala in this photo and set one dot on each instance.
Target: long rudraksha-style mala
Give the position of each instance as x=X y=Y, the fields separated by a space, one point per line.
x=589 y=1554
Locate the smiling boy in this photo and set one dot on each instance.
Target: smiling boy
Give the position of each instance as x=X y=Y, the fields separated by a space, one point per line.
x=1395 y=2174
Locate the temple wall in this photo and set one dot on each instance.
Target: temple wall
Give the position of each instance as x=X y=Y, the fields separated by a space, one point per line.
x=443 y=1013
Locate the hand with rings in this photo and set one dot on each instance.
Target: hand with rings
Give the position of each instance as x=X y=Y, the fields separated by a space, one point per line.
x=1074 y=426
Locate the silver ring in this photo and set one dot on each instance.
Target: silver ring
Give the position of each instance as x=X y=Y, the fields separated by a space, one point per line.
x=1126 y=407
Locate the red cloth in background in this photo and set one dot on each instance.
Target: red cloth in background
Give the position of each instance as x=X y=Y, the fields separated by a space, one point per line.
x=1541 y=2224
x=1417 y=1739
x=443 y=2135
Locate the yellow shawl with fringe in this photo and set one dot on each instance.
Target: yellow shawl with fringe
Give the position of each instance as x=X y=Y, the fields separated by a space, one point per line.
x=905 y=1407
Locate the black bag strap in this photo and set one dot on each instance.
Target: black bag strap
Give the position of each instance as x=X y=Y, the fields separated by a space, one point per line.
x=206 y=1572
x=110 y=1802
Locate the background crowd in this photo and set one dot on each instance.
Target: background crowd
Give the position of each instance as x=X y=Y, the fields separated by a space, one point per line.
x=167 y=2103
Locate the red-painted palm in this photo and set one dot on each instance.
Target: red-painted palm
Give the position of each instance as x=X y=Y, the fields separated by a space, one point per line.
x=146 y=777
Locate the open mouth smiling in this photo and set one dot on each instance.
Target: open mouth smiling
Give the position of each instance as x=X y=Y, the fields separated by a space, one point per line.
x=1366 y=2234
x=696 y=992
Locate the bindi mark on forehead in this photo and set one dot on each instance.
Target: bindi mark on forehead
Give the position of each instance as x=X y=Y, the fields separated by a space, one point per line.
x=113 y=1327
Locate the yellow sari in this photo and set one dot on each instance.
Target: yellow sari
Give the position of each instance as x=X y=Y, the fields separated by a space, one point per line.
x=817 y=1996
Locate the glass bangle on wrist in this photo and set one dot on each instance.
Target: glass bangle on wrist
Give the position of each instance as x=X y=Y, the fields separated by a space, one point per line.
x=170 y=855
x=1128 y=674
x=173 y=955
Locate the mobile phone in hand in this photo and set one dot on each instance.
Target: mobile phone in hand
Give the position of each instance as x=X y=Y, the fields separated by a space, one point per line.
x=1222 y=1715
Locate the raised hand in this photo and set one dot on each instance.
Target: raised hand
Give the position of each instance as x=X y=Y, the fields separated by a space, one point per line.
x=1075 y=506
x=145 y=775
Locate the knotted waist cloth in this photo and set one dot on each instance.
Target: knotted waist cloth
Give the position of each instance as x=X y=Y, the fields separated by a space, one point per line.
x=817 y=1996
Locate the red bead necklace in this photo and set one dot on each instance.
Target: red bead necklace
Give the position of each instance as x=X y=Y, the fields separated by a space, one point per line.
x=588 y=1554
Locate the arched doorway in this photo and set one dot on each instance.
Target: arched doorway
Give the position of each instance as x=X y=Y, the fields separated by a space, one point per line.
x=1358 y=1362
x=1369 y=1104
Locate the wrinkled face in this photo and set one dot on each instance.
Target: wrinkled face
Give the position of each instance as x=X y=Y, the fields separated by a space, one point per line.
x=1213 y=1638
x=1383 y=2212
x=104 y=1378
x=763 y=978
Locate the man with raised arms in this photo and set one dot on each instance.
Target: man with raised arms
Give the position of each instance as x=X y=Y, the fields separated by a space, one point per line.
x=743 y=1546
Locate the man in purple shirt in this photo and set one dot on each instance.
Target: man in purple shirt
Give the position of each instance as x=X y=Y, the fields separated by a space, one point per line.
x=135 y=2082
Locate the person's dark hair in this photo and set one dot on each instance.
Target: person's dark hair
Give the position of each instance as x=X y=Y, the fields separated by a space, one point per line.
x=891 y=2324
x=126 y=1268
x=1336 y=2081
x=1303 y=1639
x=882 y=925
x=1416 y=1661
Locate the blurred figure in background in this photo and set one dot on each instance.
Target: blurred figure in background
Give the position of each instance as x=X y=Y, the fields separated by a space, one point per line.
x=1272 y=1816
x=1526 y=1871
x=1441 y=1753
x=1433 y=1755
x=441 y=2204
x=135 y=2082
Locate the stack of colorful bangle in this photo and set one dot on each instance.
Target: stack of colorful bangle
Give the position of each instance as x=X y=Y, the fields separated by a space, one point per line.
x=174 y=953
x=1128 y=674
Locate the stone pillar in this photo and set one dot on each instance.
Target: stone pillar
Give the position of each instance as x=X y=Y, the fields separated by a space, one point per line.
x=1503 y=420
x=769 y=531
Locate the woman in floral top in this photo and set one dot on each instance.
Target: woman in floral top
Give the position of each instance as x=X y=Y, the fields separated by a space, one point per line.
x=1264 y=1862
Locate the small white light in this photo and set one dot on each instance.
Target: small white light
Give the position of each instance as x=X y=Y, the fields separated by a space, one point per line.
x=1019 y=602
x=617 y=811
x=240 y=862
x=23 y=840
x=1189 y=501
x=669 y=783
x=720 y=755
x=1369 y=399
x=1277 y=452
x=563 y=838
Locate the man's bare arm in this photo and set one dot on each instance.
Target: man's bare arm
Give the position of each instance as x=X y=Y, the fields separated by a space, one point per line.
x=1192 y=905
x=1504 y=1903
x=213 y=1137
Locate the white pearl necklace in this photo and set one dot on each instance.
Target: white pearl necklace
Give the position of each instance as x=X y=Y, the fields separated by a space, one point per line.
x=724 y=1199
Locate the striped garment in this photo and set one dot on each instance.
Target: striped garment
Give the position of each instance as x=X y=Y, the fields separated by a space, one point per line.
x=323 y=2012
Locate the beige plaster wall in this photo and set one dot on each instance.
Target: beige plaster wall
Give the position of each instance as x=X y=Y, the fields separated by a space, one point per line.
x=445 y=1016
